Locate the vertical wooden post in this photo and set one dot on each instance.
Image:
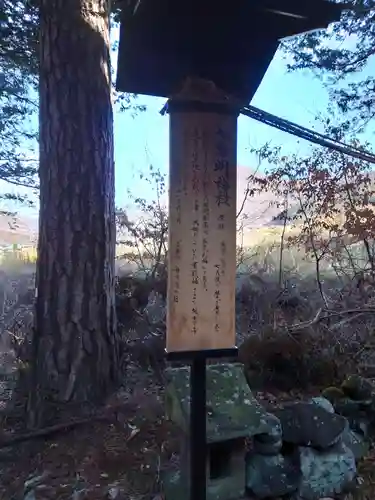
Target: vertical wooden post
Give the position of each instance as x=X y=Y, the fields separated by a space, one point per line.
x=202 y=221
x=202 y=245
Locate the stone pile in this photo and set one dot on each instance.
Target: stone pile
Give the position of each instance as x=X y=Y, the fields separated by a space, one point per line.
x=316 y=457
x=301 y=451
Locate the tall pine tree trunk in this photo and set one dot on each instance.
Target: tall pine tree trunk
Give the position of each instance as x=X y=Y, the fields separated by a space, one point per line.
x=75 y=351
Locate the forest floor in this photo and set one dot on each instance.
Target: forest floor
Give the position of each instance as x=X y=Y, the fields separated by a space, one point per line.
x=124 y=454
x=121 y=457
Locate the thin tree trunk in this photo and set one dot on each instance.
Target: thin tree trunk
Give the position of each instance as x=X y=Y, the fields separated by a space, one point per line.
x=75 y=348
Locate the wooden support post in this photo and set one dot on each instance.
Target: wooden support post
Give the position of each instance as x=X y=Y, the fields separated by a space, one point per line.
x=202 y=245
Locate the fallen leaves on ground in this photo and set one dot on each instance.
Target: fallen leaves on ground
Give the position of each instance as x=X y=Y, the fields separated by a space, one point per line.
x=122 y=458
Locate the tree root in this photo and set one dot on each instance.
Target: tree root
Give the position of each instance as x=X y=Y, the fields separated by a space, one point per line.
x=51 y=430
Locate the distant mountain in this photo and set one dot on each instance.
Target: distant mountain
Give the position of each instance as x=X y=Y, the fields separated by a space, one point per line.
x=266 y=209
x=262 y=209
x=21 y=230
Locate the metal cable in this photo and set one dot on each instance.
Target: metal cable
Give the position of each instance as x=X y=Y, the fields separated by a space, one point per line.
x=299 y=131
x=305 y=133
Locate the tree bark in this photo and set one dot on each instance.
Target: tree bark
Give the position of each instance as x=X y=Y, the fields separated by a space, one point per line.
x=75 y=347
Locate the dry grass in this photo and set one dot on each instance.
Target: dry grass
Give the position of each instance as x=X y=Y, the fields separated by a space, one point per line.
x=366 y=487
x=132 y=447
x=123 y=453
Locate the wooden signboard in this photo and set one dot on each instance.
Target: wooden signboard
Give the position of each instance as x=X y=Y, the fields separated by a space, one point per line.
x=202 y=231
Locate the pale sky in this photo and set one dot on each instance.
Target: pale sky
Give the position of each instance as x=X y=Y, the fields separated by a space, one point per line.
x=143 y=139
